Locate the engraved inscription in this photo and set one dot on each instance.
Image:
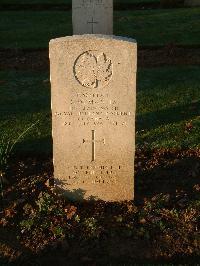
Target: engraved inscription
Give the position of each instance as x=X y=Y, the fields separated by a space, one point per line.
x=92 y=3
x=88 y=174
x=92 y=22
x=95 y=110
x=94 y=141
x=93 y=69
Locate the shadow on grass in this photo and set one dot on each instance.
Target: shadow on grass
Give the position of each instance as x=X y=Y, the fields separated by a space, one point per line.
x=40 y=148
x=167 y=116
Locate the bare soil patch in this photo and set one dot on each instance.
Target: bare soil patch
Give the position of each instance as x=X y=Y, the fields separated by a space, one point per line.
x=162 y=225
x=61 y=7
x=38 y=60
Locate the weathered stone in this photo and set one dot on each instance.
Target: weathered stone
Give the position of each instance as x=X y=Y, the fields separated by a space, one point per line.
x=92 y=16
x=93 y=80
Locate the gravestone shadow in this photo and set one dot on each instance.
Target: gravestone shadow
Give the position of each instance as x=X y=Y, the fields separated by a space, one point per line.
x=74 y=195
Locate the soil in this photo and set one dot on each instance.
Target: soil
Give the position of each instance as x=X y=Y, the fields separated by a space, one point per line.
x=170 y=174
x=38 y=60
x=62 y=7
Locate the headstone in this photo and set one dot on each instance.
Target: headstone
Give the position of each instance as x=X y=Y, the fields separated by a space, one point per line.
x=192 y=3
x=92 y=16
x=93 y=80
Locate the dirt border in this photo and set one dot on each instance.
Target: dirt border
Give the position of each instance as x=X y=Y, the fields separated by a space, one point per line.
x=61 y=7
x=38 y=59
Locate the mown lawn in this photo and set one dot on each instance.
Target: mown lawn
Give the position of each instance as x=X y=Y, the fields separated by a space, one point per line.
x=25 y=98
x=168 y=109
x=26 y=29
x=160 y=27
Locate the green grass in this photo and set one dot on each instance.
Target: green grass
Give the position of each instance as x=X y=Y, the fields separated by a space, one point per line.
x=167 y=99
x=159 y=27
x=67 y=2
x=149 y=27
x=33 y=29
x=25 y=98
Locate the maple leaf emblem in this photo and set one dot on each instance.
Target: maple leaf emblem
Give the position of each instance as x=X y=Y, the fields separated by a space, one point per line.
x=93 y=70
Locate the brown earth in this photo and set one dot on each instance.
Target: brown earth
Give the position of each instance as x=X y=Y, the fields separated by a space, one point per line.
x=117 y=6
x=37 y=60
x=167 y=187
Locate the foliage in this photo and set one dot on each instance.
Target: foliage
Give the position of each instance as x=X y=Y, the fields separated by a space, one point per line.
x=48 y=220
x=6 y=150
x=163 y=224
x=171 y=230
x=7 y=146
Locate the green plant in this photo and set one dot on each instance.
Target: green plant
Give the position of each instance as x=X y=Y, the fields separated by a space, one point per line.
x=27 y=224
x=45 y=203
x=91 y=227
x=6 y=150
x=58 y=231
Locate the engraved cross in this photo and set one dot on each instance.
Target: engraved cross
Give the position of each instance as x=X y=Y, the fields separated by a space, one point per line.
x=94 y=141
x=92 y=22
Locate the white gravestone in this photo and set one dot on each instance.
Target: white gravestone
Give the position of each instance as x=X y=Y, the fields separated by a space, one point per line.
x=92 y=16
x=93 y=80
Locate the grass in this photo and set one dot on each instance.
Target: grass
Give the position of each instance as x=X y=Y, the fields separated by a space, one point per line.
x=168 y=110
x=33 y=29
x=149 y=27
x=67 y=2
x=25 y=98
x=160 y=27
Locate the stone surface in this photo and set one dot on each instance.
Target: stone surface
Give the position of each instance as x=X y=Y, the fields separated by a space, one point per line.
x=92 y=16
x=192 y=3
x=93 y=79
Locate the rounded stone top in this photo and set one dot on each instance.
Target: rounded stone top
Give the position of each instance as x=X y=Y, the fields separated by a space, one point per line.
x=95 y=37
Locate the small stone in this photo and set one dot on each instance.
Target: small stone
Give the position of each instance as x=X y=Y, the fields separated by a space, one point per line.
x=143 y=221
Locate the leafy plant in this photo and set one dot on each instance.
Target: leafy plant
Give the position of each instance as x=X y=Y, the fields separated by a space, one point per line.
x=45 y=203
x=58 y=231
x=91 y=227
x=26 y=224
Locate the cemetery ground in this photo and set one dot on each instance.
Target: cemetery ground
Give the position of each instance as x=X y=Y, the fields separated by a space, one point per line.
x=67 y=3
x=33 y=30
x=162 y=224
